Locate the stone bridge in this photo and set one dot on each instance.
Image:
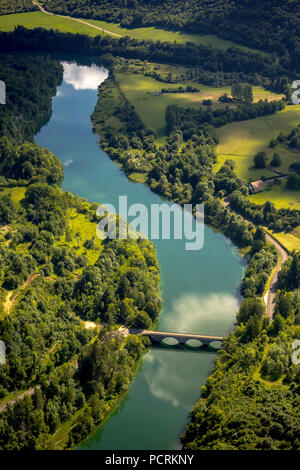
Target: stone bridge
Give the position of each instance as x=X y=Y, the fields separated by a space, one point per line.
x=182 y=338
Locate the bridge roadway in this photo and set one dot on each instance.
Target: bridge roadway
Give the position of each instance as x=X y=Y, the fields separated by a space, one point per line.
x=182 y=338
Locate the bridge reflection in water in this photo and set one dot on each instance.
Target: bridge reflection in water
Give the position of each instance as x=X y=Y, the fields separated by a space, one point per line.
x=157 y=337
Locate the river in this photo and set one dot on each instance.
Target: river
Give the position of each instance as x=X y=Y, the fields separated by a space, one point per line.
x=199 y=288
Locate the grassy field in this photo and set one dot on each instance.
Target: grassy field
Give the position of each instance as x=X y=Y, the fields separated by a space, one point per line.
x=282 y=197
x=140 y=91
x=79 y=230
x=240 y=141
x=17 y=194
x=171 y=36
x=38 y=19
x=279 y=195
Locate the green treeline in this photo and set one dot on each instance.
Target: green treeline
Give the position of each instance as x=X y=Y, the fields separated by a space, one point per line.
x=182 y=169
x=203 y=74
x=188 y=119
x=16 y=6
x=55 y=274
x=264 y=25
x=263 y=258
x=267 y=215
x=233 y=64
x=31 y=82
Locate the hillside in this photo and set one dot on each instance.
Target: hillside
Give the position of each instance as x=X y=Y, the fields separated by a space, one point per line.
x=59 y=283
x=242 y=21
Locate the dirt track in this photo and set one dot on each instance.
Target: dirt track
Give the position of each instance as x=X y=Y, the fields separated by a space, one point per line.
x=76 y=19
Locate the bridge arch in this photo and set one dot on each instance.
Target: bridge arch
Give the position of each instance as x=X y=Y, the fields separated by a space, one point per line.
x=170 y=341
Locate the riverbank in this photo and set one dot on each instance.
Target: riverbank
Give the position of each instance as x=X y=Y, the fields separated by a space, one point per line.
x=194 y=285
x=251 y=327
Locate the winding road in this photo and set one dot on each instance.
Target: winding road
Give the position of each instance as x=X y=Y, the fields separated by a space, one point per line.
x=269 y=297
x=76 y=19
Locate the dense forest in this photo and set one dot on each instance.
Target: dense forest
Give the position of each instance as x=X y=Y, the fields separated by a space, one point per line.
x=16 y=6
x=269 y=25
x=27 y=162
x=55 y=274
x=62 y=278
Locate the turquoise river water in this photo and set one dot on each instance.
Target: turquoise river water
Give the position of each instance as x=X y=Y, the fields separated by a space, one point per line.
x=199 y=288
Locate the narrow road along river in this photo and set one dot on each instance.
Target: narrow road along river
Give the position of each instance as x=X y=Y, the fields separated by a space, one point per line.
x=199 y=288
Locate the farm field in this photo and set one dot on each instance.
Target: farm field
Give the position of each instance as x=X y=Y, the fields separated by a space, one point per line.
x=40 y=19
x=141 y=92
x=240 y=141
x=291 y=241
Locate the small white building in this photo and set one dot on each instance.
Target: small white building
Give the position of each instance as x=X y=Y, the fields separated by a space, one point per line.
x=296 y=95
x=257 y=186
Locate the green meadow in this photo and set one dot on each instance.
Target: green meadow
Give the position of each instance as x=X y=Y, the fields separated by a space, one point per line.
x=40 y=19
x=141 y=92
x=240 y=141
x=291 y=241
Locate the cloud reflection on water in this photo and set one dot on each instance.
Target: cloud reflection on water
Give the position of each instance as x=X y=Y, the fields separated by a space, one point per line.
x=190 y=312
x=82 y=77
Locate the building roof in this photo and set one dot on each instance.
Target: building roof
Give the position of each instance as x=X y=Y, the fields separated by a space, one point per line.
x=258 y=186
